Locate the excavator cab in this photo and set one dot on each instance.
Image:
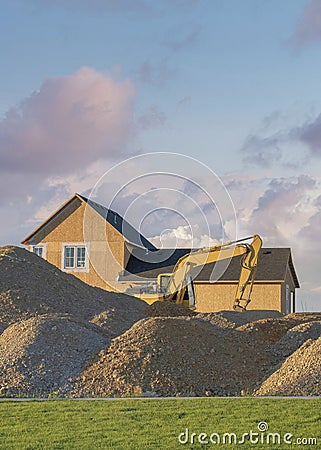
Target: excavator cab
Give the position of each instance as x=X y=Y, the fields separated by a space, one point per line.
x=163 y=280
x=186 y=293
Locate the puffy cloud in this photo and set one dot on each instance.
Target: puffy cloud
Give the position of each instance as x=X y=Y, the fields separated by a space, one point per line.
x=183 y=237
x=308 y=29
x=281 y=210
x=69 y=123
x=57 y=141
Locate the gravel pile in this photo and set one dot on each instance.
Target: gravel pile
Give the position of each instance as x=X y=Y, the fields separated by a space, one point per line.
x=269 y=331
x=233 y=319
x=42 y=355
x=300 y=373
x=174 y=357
x=63 y=337
x=30 y=286
x=167 y=309
x=294 y=338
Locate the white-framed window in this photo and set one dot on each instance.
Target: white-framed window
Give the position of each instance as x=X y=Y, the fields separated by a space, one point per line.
x=75 y=256
x=39 y=250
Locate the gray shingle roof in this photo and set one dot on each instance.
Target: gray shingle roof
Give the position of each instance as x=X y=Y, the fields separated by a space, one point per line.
x=154 y=262
x=272 y=266
x=120 y=224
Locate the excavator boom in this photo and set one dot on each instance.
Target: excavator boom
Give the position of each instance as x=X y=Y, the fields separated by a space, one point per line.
x=179 y=279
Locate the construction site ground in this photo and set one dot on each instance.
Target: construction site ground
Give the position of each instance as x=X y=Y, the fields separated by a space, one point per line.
x=61 y=337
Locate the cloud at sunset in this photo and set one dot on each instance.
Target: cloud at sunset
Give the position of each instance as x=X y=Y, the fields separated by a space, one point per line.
x=69 y=123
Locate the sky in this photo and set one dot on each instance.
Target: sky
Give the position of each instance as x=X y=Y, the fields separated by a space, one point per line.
x=231 y=86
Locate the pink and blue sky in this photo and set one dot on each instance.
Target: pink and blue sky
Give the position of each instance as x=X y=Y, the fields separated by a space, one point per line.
x=236 y=84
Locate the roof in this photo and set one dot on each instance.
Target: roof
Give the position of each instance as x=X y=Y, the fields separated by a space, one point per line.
x=153 y=263
x=272 y=266
x=114 y=219
x=121 y=225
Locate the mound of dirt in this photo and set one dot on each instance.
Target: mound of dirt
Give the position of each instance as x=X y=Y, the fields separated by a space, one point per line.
x=167 y=309
x=173 y=357
x=61 y=336
x=43 y=355
x=299 y=374
x=30 y=286
x=304 y=316
x=233 y=319
x=294 y=338
x=269 y=331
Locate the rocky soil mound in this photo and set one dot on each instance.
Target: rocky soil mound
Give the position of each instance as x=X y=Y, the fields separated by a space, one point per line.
x=174 y=356
x=42 y=355
x=269 y=331
x=30 y=286
x=300 y=373
x=294 y=338
x=233 y=319
x=168 y=309
x=59 y=336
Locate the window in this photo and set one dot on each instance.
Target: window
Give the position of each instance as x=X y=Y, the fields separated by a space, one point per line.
x=81 y=257
x=75 y=256
x=39 y=250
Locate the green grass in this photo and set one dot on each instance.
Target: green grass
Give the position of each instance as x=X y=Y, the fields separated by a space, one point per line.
x=151 y=424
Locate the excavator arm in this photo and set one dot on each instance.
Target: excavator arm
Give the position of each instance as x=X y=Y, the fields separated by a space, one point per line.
x=179 y=279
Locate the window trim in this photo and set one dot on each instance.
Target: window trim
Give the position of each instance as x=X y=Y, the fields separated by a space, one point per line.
x=75 y=245
x=44 y=250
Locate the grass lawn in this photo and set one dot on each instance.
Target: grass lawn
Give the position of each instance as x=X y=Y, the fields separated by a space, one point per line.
x=156 y=424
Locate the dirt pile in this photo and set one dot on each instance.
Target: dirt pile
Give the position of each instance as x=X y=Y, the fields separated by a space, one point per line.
x=167 y=356
x=30 y=286
x=63 y=337
x=167 y=309
x=294 y=338
x=300 y=373
x=269 y=331
x=174 y=357
x=43 y=355
x=233 y=319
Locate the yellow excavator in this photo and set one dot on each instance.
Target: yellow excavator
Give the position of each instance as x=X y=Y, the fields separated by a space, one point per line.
x=177 y=286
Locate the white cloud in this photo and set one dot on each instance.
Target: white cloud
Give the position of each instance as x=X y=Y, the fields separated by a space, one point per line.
x=183 y=237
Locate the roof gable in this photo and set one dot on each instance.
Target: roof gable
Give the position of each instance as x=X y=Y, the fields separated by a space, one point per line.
x=53 y=221
x=114 y=219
